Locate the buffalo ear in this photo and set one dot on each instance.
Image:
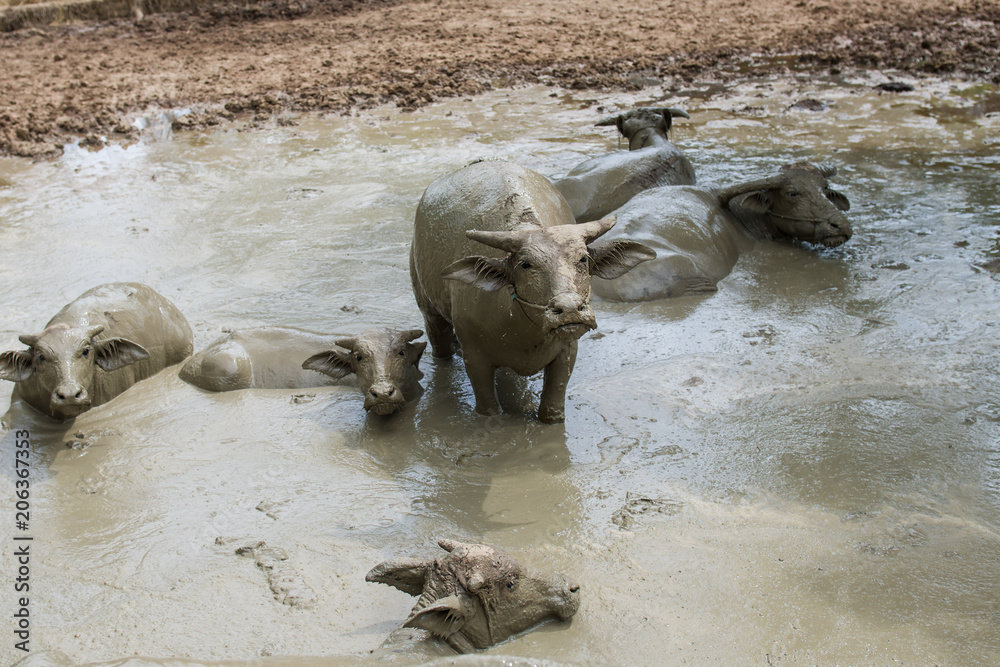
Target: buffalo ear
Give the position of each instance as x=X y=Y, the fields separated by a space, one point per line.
x=757 y=202
x=839 y=200
x=407 y=574
x=443 y=617
x=486 y=273
x=16 y=366
x=115 y=353
x=335 y=363
x=615 y=259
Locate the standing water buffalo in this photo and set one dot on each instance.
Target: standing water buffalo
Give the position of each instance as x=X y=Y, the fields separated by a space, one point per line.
x=524 y=305
x=699 y=233
x=472 y=598
x=385 y=361
x=603 y=184
x=95 y=348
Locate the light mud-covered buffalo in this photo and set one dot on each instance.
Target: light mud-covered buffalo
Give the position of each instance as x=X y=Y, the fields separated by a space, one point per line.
x=500 y=268
x=474 y=597
x=601 y=185
x=699 y=233
x=385 y=362
x=95 y=348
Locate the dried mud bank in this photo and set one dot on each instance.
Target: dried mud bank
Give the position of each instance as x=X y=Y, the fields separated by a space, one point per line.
x=266 y=61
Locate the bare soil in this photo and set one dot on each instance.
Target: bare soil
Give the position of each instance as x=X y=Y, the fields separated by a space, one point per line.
x=263 y=59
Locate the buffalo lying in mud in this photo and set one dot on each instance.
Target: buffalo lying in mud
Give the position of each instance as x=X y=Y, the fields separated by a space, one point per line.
x=95 y=348
x=525 y=303
x=699 y=233
x=472 y=598
x=385 y=362
x=601 y=185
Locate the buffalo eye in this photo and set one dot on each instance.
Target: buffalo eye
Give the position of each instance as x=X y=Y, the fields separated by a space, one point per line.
x=358 y=356
x=525 y=265
x=792 y=193
x=511 y=584
x=86 y=353
x=402 y=353
x=583 y=260
x=39 y=358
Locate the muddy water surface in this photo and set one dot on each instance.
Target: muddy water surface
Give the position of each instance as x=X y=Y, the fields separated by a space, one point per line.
x=801 y=468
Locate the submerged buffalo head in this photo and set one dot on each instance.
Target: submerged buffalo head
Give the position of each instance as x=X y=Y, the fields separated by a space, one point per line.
x=798 y=203
x=641 y=125
x=548 y=270
x=62 y=361
x=386 y=362
x=477 y=595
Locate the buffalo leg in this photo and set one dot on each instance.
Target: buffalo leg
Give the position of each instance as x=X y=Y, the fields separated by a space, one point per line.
x=552 y=406
x=482 y=375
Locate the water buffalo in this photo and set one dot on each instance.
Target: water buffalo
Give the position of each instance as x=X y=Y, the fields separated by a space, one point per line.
x=472 y=598
x=603 y=184
x=525 y=303
x=699 y=233
x=385 y=361
x=95 y=348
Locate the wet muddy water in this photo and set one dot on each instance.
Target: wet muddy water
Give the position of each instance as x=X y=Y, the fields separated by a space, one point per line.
x=802 y=468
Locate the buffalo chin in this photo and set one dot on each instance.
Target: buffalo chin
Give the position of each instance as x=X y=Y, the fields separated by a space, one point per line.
x=384 y=409
x=834 y=241
x=67 y=412
x=570 y=331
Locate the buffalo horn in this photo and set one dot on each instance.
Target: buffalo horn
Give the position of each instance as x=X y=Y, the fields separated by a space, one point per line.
x=347 y=343
x=591 y=231
x=506 y=241
x=411 y=335
x=741 y=189
x=29 y=339
x=625 y=115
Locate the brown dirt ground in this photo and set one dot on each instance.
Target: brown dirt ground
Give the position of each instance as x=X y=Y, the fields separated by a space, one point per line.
x=260 y=59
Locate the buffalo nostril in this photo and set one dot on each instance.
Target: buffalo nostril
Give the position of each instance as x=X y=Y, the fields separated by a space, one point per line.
x=581 y=308
x=557 y=311
x=78 y=394
x=574 y=589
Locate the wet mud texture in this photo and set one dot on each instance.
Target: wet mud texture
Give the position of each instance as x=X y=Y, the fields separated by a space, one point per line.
x=262 y=60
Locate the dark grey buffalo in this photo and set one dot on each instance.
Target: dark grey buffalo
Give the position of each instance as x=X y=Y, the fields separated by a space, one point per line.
x=601 y=185
x=472 y=598
x=699 y=233
x=500 y=267
x=385 y=362
x=95 y=348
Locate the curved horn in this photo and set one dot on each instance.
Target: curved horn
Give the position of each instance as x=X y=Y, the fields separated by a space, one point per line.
x=741 y=189
x=409 y=336
x=625 y=115
x=347 y=343
x=29 y=339
x=506 y=241
x=612 y=120
x=451 y=545
x=827 y=170
x=591 y=231
x=94 y=330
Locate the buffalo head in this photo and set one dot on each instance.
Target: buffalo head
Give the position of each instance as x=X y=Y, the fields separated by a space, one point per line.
x=548 y=270
x=384 y=360
x=638 y=125
x=798 y=204
x=477 y=595
x=62 y=361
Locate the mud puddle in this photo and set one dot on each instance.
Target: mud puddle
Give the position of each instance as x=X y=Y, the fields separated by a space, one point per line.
x=802 y=467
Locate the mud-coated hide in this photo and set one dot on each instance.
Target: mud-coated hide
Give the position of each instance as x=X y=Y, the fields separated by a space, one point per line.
x=95 y=348
x=500 y=267
x=472 y=598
